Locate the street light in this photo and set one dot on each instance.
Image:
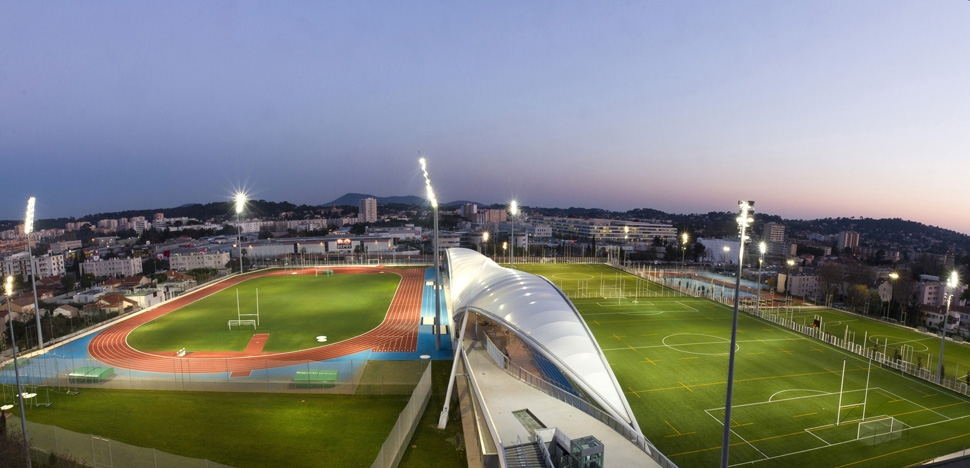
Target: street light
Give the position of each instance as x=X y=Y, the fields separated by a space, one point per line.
x=744 y=220
x=762 y=247
x=951 y=287
x=485 y=241
x=727 y=252
x=240 y=205
x=29 y=228
x=513 y=210
x=892 y=283
x=8 y=289
x=437 y=270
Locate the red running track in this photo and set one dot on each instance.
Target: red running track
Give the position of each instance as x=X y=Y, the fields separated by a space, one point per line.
x=398 y=332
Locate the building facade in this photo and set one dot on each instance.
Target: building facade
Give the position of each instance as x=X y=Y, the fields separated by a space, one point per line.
x=123 y=267
x=610 y=230
x=367 y=210
x=215 y=260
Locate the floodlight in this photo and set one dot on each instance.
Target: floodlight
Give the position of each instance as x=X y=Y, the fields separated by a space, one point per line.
x=240 y=202
x=8 y=286
x=29 y=219
x=514 y=208
x=762 y=247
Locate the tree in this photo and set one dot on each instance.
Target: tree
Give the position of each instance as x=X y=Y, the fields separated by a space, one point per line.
x=87 y=280
x=69 y=281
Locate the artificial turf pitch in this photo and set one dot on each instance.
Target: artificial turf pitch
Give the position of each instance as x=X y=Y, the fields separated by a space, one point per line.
x=670 y=354
x=293 y=309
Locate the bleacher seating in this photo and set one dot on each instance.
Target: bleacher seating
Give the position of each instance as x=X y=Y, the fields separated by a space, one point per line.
x=551 y=373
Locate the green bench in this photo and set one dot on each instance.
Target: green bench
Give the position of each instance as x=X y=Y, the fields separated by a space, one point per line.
x=90 y=374
x=315 y=378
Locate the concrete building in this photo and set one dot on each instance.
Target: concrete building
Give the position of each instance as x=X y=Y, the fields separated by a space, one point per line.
x=367 y=210
x=215 y=260
x=58 y=248
x=848 y=240
x=493 y=216
x=44 y=265
x=610 y=230
x=123 y=267
x=774 y=236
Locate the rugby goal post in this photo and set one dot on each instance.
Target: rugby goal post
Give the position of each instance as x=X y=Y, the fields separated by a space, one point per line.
x=879 y=430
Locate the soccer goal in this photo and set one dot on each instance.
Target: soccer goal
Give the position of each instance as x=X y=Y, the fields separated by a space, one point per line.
x=880 y=430
x=242 y=323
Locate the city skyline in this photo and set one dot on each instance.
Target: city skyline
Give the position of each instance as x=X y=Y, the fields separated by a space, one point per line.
x=812 y=109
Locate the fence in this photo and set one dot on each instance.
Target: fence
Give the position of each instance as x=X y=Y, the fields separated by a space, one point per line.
x=777 y=315
x=393 y=448
x=53 y=371
x=92 y=450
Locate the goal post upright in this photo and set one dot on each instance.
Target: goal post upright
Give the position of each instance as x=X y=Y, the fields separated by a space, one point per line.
x=838 y=411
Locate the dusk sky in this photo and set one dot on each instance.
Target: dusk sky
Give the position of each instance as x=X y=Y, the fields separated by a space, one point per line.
x=810 y=108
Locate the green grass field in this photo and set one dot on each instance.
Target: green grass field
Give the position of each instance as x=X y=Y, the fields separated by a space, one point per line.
x=671 y=355
x=293 y=309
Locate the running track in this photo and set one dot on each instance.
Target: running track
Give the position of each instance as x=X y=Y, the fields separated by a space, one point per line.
x=398 y=332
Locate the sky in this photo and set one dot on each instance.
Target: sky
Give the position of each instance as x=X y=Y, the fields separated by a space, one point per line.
x=810 y=108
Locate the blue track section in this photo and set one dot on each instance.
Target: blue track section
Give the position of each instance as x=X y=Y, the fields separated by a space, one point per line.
x=425 y=332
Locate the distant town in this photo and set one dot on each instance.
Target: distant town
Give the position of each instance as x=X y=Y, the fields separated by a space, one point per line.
x=96 y=267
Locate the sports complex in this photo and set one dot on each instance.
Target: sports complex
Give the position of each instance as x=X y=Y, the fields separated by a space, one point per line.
x=625 y=366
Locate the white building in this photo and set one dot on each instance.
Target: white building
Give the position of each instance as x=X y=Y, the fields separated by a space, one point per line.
x=848 y=240
x=367 y=210
x=61 y=247
x=44 y=265
x=123 y=267
x=611 y=230
x=215 y=260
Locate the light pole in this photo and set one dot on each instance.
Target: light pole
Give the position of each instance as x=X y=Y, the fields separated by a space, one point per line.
x=951 y=287
x=437 y=270
x=762 y=247
x=240 y=204
x=727 y=252
x=747 y=207
x=485 y=241
x=790 y=264
x=8 y=289
x=513 y=210
x=892 y=283
x=683 y=252
x=29 y=228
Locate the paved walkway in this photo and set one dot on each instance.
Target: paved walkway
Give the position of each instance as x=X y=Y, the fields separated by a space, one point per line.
x=504 y=394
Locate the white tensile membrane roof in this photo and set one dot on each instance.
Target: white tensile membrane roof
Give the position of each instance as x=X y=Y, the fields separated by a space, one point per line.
x=540 y=315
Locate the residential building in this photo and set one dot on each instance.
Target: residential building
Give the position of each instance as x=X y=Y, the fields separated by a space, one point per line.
x=115 y=267
x=469 y=211
x=367 y=210
x=44 y=265
x=847 y=240
x=776 y=240
x=216 y=260
x=493 y=216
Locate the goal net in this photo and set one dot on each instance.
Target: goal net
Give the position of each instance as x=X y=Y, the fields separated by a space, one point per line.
x=877 y=431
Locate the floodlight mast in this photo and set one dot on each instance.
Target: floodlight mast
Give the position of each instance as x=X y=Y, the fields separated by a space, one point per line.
x=240 y=205
x=437 y=270
x=747 y=207
x=762 y=248
x=8 y=289
x=29 y=228
x=951 y=286
x=513 y=210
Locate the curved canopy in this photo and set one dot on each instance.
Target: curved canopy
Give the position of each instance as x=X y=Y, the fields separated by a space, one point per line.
x=538 y=313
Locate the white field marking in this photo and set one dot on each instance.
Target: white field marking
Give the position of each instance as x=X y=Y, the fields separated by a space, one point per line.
x=898 y=343
x=627 y=348
x=756 y=403
x=738 y=435
x=687 y=306
x=849 y=441
x=795 y=390
x=887 y=392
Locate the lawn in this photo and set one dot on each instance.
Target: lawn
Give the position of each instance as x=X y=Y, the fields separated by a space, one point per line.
x=237 y=429
x=670 y=354
x=293 y=309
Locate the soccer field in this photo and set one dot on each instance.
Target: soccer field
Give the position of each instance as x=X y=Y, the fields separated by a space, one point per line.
x=671 y=355
x=293 y=310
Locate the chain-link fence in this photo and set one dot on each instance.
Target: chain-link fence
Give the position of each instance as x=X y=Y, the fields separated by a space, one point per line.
x=95 y=451
x=393 y=447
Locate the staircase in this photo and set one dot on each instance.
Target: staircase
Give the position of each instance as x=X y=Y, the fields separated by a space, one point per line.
x=525 y=456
